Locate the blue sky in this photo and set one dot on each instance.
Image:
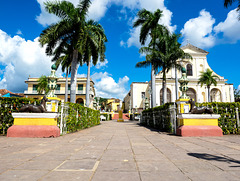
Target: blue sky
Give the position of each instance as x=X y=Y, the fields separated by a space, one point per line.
x=206 y=24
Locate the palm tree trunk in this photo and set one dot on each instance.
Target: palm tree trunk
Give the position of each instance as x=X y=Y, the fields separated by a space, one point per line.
x=66 y=86
x=164 y=88
x=208 y=94
x=153 y=86
x=88 y=85
x=74 y=68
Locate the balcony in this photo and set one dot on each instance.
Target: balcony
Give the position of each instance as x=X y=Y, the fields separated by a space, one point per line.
x=30 y=92
x=60 y=92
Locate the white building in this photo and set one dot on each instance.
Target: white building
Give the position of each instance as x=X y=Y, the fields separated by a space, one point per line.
x=223 y=92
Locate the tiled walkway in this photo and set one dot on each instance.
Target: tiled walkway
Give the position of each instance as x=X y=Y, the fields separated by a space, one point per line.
x=120 y=151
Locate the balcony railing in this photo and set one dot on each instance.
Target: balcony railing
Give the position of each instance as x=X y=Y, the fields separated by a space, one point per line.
x=60 y=92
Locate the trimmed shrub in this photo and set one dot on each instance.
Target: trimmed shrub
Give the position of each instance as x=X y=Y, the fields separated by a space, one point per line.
x=80 y=117
x=9 y=105
x=228 y=119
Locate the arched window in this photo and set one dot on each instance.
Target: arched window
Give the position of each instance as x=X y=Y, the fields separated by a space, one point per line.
x=80 y=101
x=189 y=70
x=192 y=94
x=169 y=97
x=215 y=95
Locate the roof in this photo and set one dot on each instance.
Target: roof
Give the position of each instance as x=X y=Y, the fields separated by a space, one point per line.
x=5 y=91
x=190 y=46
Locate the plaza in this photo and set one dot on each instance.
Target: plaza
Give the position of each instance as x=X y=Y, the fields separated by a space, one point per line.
x=120 y=151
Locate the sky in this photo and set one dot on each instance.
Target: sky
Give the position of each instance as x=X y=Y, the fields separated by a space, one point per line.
x=205 y=24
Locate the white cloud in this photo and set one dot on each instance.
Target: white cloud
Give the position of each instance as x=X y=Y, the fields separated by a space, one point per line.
x=230 y=27
x=21 y=58
x=98 y=9
x=107 y=87
x=199 y=31
x=238 y=88
x=19 y=32
x=101 y=65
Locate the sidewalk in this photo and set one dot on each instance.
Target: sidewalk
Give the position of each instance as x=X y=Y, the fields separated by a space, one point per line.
x=120 y=151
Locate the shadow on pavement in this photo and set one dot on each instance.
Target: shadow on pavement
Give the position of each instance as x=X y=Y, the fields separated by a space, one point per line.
x=214 y=158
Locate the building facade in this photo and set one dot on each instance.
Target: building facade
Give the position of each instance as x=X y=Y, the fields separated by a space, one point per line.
x=31 y=92
x=222 y=92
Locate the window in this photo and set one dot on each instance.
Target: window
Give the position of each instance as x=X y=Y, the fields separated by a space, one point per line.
x=35 y=86
x=80 y=87
x=58 y=87
x=143 y=95
x=189 y=70
x=69 y=87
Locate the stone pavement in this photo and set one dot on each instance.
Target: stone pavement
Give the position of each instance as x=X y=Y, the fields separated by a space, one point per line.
x=118 y=151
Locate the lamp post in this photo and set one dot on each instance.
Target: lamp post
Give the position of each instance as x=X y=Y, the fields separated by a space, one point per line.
x=146 y=103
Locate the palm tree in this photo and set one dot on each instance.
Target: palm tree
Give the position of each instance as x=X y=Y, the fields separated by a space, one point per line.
x=228 y=3
x=94 y=49
x=165 y=55
x=70 y=29
x=42 y=86
x=208 y=79
x=149 y=25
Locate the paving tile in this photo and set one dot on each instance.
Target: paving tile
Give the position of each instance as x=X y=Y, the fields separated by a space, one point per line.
x=155 y=166
x=192 y=166
x=116 y=176
x=163 y=176
x=39 y=165
x=23 y=175
x=67 y=176
x=117 y=166
x=77 y=165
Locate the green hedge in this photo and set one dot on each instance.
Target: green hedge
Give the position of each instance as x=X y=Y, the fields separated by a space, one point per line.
x=80 y=117
x=228 y=119
x=9 y=105
x=162 y=117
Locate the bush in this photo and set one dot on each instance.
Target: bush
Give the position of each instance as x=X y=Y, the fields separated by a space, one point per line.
x=9 y=105
x=228 y=119
x=80 y=117
x=161 y=115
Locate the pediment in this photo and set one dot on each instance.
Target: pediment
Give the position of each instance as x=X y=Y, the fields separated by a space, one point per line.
x=191 y=49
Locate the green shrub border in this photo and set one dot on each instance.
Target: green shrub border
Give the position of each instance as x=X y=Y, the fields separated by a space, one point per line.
x=80 y=117
x=228 y=120
x=163 y=123
x=8 y=105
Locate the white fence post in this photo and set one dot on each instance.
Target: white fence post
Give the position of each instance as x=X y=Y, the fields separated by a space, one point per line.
x=61 y=122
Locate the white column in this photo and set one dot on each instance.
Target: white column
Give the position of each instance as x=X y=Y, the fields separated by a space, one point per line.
x=199 y=95
x=223 y=94
x=173 y=93
x=231 y=93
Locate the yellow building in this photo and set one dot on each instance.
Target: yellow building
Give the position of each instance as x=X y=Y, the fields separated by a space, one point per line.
x=113 y=105
x=31 y=92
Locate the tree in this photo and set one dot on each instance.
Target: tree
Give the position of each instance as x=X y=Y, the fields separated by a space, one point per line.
x=228 y=3
x=70 y=29
x=237 y=95
x=208 y=79
x=149 y=25
x=164 y=56
x=94 y=49
x=42 y=86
